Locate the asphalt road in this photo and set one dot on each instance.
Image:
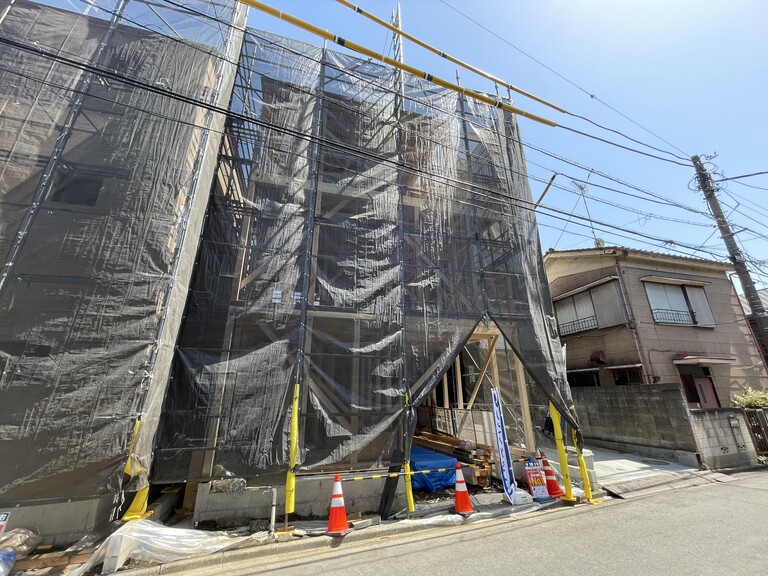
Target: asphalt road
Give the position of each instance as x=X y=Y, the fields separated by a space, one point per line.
x=718 y=528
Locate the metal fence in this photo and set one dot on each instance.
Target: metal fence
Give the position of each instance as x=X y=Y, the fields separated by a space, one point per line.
x=580 y=325
x=757 y=420
x=665 y=316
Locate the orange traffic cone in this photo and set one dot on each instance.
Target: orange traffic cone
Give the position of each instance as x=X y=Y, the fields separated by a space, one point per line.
x=553 y=486
x=463 y=505
x=337 y=519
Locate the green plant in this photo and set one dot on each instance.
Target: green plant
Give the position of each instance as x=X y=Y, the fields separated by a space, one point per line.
x=751 y=398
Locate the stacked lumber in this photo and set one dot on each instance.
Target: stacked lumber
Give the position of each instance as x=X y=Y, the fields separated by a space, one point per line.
x=78 y=553
x=478 y=456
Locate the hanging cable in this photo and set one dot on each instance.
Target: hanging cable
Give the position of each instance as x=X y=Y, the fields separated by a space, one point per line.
x=501 y=82
x=617 y=145
x=509 y=86
x=556 y=73
x=392 y=62
x=742 y=176
x=448 y=57
x=488 y=193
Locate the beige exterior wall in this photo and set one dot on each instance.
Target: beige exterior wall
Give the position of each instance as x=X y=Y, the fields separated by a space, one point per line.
x=652 y=344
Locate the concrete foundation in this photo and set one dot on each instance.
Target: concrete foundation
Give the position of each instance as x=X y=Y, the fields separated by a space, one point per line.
x=313 y=499
x=65 y=522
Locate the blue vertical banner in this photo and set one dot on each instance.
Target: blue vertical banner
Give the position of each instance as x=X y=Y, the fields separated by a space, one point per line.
x=502 y=448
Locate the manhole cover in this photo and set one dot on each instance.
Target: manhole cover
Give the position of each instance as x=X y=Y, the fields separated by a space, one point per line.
x=652 y=461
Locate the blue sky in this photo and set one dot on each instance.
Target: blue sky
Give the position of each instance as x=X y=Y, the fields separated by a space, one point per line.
x=693 y=73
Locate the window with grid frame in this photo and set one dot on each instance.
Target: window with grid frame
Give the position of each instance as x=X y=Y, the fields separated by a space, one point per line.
x=679 y=304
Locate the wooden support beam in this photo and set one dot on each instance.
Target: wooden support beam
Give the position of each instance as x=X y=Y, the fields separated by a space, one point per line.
x=483 y=370
x=525 y=408
x=494 y=364
x=458 y=382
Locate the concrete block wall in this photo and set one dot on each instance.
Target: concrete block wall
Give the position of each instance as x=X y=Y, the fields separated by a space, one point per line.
x=723 y=438
x=645 y=415
x=313 y=499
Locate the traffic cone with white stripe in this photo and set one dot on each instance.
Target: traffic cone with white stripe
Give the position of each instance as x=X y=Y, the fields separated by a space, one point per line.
x=462 y=505
x=553 y=486
x=337 y=519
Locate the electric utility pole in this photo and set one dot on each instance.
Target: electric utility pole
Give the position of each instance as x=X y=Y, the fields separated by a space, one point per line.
x=750 y=292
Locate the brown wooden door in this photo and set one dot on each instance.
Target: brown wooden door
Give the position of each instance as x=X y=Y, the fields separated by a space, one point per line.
x=706 y=389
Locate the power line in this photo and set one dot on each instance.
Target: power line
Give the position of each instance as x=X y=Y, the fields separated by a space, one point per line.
x=588 y=135
x=616 y=204
x=473 y=189
x=742 y=176
x=750 y=185
x=591 y=170
x=617 y=145
x=659 y=197
x=621 y=233
x=194 y=46
x=474 y=94
x=739 y=200
x=540 y=63
x=551 y=154
x=499 y=81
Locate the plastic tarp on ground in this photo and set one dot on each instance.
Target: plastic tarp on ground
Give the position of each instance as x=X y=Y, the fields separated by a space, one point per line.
x=104 y=135
x=426 y=459
x=362 y=224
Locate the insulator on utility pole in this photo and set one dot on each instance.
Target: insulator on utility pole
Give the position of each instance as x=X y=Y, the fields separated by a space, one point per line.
x=737 y=258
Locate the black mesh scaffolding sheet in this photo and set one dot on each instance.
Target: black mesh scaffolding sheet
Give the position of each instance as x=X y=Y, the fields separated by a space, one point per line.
x=362 y=224
x=100 y=213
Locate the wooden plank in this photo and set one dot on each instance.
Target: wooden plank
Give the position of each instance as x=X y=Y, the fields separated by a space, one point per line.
x=40 y=561
x=451 y=440
x=483 y=370
x=525 y=409
x=459 y=383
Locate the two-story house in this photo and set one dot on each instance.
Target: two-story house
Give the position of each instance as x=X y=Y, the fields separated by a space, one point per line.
x=656 y=337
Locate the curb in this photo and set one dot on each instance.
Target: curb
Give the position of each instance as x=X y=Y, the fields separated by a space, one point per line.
x=273 y=546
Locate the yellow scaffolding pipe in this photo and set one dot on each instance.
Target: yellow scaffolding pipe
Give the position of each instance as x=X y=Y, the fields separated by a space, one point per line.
x=448 y=57
x=394 y=63
x=409 y=487
x=563 y=457
x=584 y=472
x=290 y=480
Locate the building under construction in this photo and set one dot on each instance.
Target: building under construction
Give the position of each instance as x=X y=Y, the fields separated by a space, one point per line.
x=189 y=239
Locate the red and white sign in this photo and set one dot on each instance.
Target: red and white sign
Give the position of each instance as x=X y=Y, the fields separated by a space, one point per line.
x=4 y=517
x=537 y=483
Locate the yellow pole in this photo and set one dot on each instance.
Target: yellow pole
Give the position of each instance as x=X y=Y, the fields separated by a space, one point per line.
x=584 y=473
x=290 y=480
x=138 y=506
x=409 y=487
x=555 y=415
x=448 y=57
x=479 y=96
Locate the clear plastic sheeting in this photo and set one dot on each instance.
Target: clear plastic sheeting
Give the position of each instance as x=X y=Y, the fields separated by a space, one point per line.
x=362 y=224
x=103 y=135
x=147 y=541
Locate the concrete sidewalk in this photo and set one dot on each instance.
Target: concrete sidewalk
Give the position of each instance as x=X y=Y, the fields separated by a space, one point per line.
x=626 y=475
x=612 y=466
